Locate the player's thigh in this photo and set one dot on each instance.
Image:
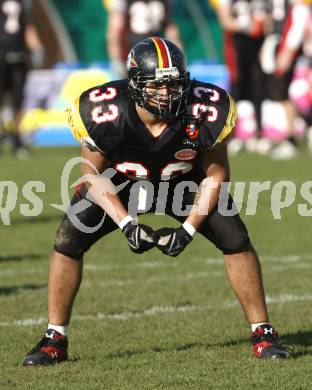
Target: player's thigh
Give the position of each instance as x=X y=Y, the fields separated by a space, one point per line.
x=277 y=87
x=80 y=230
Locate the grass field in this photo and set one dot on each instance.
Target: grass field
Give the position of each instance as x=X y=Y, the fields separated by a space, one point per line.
x=149 y=321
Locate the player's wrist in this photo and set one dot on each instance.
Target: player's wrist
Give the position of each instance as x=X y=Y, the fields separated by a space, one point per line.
x=125 y=221
x=189 y=228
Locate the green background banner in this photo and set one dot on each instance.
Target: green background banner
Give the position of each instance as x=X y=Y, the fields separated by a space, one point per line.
x=86 y=21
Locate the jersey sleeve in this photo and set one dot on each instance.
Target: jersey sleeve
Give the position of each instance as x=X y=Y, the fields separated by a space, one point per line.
x=89 y=128
x=77 y=126
x=219 y=120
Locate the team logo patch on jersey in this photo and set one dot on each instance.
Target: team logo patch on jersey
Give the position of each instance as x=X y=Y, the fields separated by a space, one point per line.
x=192 y=131
x=185 y=154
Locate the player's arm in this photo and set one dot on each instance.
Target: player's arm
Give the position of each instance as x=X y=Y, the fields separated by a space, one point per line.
x=173 y=34
x=223 y=9
x=95 y=160
x=32 y=37
x=172 y=31
x=103 y=192
x=115 y=36
x=216 y=167
x=97 y=176
x=99 y=186
x=292 y=36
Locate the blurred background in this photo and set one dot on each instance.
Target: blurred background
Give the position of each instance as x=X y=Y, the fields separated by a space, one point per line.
x=259 y=50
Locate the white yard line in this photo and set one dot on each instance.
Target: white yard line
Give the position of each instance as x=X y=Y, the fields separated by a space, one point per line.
x=158 y=310
x=290 y=261
x=26 y=271
x=137 y=265
x=153 y=264
x=152 y=280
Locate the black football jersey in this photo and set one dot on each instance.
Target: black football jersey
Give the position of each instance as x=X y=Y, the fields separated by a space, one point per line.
x=14 y=15
x=145 y=18
x=280 y=12
x=244 y=9
x=105 y=118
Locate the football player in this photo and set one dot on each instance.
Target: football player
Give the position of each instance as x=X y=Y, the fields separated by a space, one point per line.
x=131 y=21
x=279 y=54
x=159 y=127
x=243 y=22
x=18 y=37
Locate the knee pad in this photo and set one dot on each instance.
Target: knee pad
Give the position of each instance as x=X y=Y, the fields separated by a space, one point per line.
x=69 y=252
x=66 y=243
x=237 y=245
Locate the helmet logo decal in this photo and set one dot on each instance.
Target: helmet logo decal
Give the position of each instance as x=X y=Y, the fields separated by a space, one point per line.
x=131 y=62
x=164 y=57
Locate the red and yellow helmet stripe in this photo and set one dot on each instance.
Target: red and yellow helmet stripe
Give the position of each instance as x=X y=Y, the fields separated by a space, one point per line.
x=164 y=57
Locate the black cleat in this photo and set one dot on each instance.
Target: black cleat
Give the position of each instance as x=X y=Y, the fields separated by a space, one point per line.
x=266 y=343
x=52 y=348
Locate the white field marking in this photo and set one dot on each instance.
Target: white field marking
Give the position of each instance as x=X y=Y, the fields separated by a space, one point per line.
x=150 y=264
x=284 y=267
x=93 y=268
x=154 y=279
x=159 y=310
x=176 y=263
x=286 y=259
x=141 y=282
x=138 y=265
x=214 y=261
x=278 y=259
x=26 y=271
x=181 y=278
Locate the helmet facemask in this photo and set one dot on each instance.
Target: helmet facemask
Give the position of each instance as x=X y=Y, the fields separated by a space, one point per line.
x=150 y=95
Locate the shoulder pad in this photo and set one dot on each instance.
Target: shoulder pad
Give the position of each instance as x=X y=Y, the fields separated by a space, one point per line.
x=95 y=116
x=214 y=114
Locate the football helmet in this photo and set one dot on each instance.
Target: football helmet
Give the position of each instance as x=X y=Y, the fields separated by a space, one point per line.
x=158 y=79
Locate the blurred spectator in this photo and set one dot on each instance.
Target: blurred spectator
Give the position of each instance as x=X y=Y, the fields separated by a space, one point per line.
x=18 y=37
x=243 y=22
x=130 y=21
x=288 y=22
x=300 y=90
x=301 y=86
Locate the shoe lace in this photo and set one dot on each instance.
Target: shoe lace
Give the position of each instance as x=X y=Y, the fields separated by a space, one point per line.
x=272 y=338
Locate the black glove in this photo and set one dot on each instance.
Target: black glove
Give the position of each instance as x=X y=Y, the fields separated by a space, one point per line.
x=140 y=237
x=172 y=241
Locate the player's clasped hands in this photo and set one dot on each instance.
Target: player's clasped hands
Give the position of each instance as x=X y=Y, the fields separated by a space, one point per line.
x=171 y=241
x=140 y=237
